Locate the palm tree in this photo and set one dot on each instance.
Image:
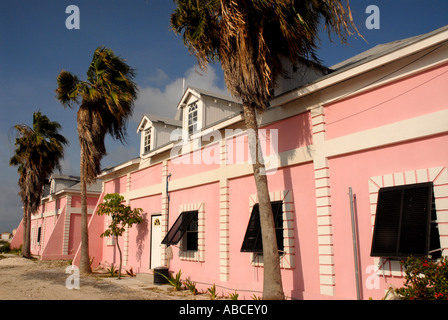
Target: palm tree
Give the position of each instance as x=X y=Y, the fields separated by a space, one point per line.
x=107 y=103
x=249 y=38
x=38 y=153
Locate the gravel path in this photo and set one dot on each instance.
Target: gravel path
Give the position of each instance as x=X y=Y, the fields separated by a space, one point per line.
x=24 y=279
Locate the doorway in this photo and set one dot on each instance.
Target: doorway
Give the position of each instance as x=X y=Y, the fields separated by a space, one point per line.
x=156 y=239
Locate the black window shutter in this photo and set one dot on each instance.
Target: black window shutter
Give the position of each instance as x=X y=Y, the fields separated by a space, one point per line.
x=402 y=223
x=179 y=227
x=39 y=232
x=252 y=240
x=277 y=210
x=416 y=219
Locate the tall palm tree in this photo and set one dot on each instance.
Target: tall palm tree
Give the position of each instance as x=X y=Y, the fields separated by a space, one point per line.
x=248 y=38
x=107 y=101
x=39 y=150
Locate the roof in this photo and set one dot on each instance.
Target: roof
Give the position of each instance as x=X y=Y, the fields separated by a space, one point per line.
x=199 y=91
x=97 y=186
x=158 y=119
x=382 y=49
x=367 y=60
x=64 y=177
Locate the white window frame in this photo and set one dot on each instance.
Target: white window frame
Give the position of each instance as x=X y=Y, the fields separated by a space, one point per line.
x=147 y=140
x=192 y=118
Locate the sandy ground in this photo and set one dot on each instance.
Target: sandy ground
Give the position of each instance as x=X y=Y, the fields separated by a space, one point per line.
x=23 y=279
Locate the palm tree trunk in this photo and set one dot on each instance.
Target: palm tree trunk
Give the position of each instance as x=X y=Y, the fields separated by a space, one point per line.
x=272 y=280
x=26 y=244
x=84 y=264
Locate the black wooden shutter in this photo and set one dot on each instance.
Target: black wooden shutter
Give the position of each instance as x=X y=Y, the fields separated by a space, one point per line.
x=277 y=210
x=179 y=227
x=402 y=223
x=252 y=240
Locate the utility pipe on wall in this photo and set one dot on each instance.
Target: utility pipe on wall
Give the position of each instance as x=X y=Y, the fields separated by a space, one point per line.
x=355 y=243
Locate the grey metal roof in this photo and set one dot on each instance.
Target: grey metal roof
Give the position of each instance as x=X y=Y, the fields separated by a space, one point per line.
x=159 y=119
x=382 y=49
x=215 y=95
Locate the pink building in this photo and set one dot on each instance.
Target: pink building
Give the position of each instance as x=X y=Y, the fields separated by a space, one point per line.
x=55 y=228
x=357 y=165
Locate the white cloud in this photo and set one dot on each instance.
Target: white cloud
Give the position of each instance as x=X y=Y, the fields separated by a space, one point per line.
x=163 y=101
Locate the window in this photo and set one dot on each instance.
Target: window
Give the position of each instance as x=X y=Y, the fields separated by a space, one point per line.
x=405 y=222
x=252 y=240
x=191 y=235
x=147 y=144
x=39 y=233
x=192 y=118
x=186 y=224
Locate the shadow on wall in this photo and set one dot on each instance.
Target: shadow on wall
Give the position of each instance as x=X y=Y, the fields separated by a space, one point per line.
x=142 y=233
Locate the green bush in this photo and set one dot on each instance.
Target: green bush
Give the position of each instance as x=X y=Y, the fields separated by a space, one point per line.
x=425 y=280
x=5 y=247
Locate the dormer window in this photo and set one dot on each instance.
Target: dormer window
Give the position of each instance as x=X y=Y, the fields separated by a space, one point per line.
x=192 y=118
x=147 y=145
x=52 y=187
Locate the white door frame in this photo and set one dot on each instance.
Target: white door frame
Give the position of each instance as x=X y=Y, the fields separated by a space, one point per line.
x=155 y=256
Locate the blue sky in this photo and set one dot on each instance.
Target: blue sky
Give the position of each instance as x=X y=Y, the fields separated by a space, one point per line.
x=35 y=46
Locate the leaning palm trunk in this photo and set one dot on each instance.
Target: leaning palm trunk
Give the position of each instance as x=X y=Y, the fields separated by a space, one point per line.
x=272 y=281
x=38 y=152
x=26 y=225
x=107 y=102
x=84 y=263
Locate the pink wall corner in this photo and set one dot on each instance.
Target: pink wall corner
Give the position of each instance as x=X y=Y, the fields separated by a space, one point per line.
x=53 y=246
x=17 y=240
x=95 y=225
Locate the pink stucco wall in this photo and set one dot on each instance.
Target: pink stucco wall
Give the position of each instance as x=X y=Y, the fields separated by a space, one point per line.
x=354 y=171
x=91 y=202
x=300 y=180
x=195 y=162
x=408 y=98
x=207 y=271
x=139 y=237
x=146 y=177
x=417 y=95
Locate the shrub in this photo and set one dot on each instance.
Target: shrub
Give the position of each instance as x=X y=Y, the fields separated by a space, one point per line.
x=5 y=247
x=425 y=280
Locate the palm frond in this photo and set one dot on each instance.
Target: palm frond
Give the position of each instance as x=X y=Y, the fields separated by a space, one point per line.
x=248 y=37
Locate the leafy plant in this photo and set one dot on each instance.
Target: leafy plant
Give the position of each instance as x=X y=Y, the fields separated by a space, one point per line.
x=212 y=292
x=234 y=296
x=112 y=270
x=5 y=247
x=191 y=285
x=175 y=282
x=130 y=272
x=122 y=216
x=255 y=297
x=425 y=280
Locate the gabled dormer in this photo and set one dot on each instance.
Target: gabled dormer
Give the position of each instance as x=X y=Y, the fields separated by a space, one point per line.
x=155 y=131
x=199 y=109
